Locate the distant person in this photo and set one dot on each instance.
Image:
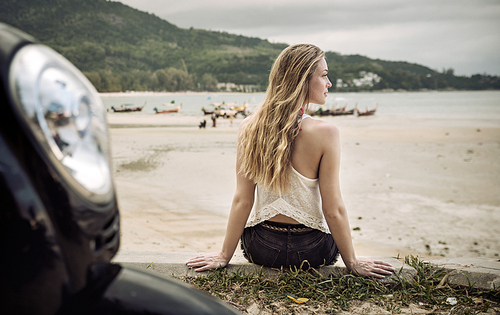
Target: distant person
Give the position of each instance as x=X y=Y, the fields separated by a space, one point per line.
x=214 y=120
x=288 y=208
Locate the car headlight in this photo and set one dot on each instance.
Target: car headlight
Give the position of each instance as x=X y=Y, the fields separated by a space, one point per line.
x=66 y=117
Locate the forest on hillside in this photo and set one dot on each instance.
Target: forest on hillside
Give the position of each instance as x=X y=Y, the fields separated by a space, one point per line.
x=121 y=49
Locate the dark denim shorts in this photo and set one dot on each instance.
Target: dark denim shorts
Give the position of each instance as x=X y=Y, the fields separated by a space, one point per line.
x=276 y=245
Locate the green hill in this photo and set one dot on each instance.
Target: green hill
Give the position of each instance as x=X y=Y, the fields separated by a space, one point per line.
x=120 y=48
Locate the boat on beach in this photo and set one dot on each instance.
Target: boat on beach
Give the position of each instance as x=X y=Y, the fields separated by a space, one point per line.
x=212 y=108
x=166 y=111
x=343 y=111
x=367 y=112
x=230 y=107
x=126 y=108
x=322 y=112
x=335 y=111
x=207 y=111
x=239 y=109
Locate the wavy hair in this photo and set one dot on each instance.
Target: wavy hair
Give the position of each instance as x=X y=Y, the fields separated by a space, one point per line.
x=265 y=142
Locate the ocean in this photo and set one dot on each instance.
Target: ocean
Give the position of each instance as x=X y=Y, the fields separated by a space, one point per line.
x=447 y=105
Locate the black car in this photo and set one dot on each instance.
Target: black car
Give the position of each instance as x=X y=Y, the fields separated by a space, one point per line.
x=59 y=219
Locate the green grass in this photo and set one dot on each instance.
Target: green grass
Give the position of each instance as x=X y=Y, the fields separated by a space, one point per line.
x=337 y=292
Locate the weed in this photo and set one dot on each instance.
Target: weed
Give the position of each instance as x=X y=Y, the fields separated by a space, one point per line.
x=428 y=289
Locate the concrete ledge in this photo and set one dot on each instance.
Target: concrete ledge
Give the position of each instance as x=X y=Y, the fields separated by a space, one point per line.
x=172 y=264
x=482 y=273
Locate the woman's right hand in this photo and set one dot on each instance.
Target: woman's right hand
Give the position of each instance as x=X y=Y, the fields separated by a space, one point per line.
x=371 y=268
x=208 y=261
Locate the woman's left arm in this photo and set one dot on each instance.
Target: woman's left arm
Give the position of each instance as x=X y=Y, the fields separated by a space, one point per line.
x=335 y=211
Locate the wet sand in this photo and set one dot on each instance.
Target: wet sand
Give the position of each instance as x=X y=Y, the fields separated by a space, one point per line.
x=429 y=188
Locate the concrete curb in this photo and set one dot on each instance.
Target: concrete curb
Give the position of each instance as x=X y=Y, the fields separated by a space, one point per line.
x=480 y=272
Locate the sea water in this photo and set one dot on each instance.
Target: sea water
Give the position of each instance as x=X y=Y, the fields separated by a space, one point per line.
x=449 y=105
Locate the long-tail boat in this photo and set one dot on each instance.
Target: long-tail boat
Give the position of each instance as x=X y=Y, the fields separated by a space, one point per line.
x=234 y=106
x=213 y=107
x=239 y=109
x=171 y=110
x=343 y=112
x=367 y=112
x=126 y=108
x=207 y=111
x=322 y=112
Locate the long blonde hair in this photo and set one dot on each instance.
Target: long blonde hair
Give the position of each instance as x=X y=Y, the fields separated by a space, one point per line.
x=265 y=142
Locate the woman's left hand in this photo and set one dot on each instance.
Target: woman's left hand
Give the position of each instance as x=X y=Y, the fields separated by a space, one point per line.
x=208 y=261
x=371 y=268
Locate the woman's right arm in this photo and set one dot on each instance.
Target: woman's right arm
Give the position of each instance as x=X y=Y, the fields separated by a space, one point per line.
x=334 y=209
x=240 y=210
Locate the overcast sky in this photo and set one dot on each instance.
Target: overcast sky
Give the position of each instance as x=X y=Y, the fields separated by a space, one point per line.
x=459 y=34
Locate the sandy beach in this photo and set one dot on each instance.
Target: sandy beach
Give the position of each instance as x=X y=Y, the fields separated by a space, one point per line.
x=425 y=187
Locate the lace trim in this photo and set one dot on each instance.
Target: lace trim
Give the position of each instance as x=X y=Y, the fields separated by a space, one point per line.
x=313 y=180
x=280 y=206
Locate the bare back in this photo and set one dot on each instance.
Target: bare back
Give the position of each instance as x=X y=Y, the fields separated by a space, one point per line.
x=307 y=153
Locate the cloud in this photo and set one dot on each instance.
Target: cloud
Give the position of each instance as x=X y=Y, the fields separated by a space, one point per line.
x=455 y=34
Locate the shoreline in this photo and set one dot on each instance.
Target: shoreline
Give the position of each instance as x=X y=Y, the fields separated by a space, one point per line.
x=153 y=93
x=164 y=93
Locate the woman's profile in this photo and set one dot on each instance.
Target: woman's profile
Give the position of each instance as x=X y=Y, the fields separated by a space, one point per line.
x=287 y=208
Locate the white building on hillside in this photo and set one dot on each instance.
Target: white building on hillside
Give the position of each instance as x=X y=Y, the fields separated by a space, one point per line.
x=366 y=79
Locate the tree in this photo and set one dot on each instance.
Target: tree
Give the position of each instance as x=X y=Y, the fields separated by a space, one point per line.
x=208 y=82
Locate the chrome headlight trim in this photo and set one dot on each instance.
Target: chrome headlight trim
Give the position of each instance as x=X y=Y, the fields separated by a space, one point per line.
x=66 y=117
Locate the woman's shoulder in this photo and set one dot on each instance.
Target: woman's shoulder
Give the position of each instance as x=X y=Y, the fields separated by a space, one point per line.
x=316 y=126
x=244 y=123
x=242 y=129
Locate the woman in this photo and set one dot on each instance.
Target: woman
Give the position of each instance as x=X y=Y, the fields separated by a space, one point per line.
x=297 y=216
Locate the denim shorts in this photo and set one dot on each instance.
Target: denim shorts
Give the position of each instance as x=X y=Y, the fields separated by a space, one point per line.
x=277 y=245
